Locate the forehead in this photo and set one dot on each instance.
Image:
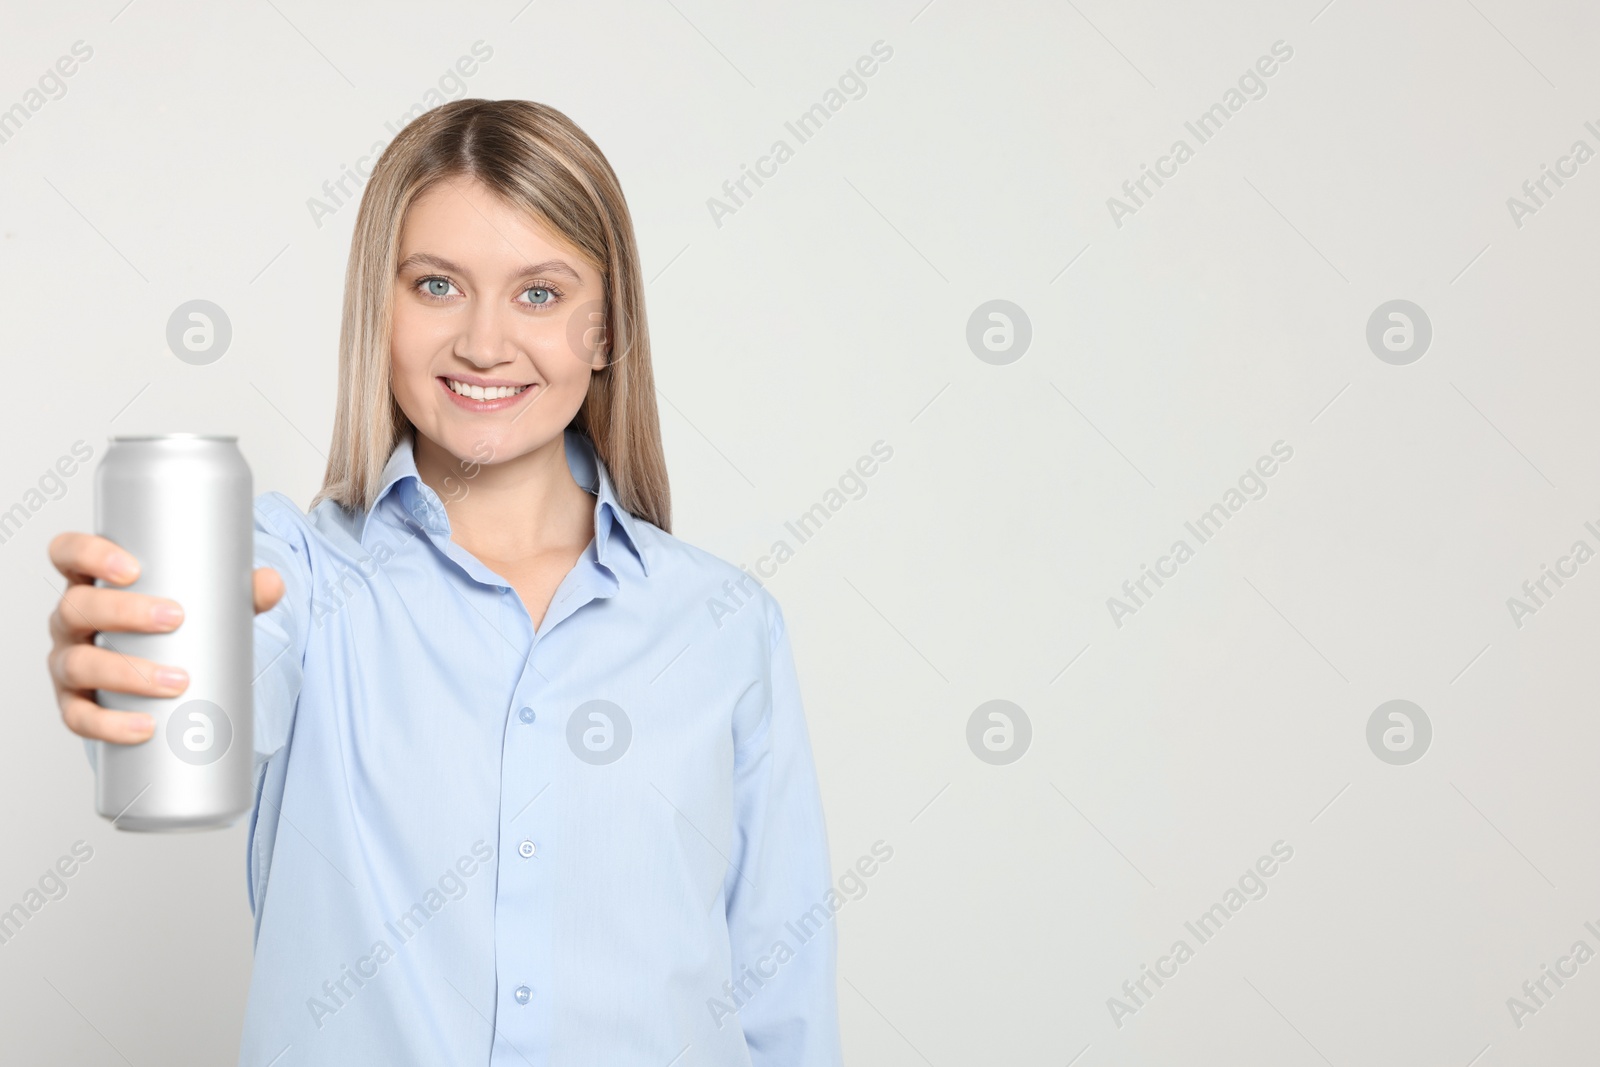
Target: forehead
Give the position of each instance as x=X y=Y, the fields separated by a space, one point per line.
x=463 y=218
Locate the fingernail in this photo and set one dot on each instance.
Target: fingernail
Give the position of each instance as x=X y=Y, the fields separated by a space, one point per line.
x=172 y=677
x=167 y=614
x=122 y=565
x=141 y=723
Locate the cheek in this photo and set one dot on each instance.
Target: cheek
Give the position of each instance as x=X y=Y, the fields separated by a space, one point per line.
x=405 y=350
x=556 y=346
x=567 y=382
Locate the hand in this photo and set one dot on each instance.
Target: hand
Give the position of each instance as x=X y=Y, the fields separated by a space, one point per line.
x=79 y=666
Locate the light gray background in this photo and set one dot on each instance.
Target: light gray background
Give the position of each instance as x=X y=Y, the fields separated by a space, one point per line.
x=830 y=312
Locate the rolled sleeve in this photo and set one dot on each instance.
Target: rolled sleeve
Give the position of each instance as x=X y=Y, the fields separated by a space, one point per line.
x=280 y=634
x=780 y=895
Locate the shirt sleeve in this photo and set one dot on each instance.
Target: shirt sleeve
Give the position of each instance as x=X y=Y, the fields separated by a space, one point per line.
x=280 y=634
x=780 y=898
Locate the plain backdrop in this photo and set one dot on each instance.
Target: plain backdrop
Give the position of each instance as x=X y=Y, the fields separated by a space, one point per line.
x=1171 y=346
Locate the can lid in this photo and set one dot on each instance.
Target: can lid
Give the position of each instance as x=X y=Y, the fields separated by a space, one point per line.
x=177 y=437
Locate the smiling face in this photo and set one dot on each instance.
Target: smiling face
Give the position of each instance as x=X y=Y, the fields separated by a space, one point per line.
x=491 y=310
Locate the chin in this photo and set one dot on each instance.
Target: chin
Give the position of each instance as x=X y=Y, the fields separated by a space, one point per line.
x=492 y=441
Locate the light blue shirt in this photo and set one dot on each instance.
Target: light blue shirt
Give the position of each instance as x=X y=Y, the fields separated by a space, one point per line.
x=597 y=844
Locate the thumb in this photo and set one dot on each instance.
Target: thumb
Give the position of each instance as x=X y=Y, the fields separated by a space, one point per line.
x=268 y=587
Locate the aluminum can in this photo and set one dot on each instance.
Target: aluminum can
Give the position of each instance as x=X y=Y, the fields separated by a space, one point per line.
x=182 y=505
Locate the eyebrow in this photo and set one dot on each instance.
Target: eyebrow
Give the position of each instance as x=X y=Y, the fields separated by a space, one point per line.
x=549 y=266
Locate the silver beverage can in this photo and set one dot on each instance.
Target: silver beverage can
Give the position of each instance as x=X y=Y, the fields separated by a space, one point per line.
x=182 y=505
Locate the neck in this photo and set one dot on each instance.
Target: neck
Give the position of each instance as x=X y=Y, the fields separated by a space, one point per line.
x=514 y=509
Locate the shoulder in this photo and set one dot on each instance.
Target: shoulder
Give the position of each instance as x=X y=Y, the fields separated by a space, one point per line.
x=327 y=528
x=278 y=514
x=733 y=597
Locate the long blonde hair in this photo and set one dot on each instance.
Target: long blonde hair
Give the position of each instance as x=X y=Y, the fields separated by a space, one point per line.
x=537 y=159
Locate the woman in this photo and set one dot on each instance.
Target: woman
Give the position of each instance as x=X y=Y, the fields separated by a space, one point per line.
x=533 y=777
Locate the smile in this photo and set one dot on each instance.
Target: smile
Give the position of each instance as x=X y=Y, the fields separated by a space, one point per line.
x=475 y=397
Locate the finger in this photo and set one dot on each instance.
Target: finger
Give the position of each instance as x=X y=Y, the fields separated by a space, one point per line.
x=268 y=586
x=84 y=557
x=87 y=719
x=85 y=667
x=87 y=609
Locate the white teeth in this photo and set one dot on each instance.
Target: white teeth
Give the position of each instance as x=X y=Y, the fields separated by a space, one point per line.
x=481 y=392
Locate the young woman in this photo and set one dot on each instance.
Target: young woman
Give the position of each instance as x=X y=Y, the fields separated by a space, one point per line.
x=533 y=778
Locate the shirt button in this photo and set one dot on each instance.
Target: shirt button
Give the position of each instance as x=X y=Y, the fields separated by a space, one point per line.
x=526 y=714
x=525 y=850
x=523 y=994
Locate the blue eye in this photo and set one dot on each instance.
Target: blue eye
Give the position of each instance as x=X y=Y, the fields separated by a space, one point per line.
x=437 y=286
x=544 y=299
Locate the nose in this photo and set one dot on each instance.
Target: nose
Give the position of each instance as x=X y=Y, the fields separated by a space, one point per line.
x=485 y=340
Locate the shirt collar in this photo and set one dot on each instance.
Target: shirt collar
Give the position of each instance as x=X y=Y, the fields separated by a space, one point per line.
x=416 y=498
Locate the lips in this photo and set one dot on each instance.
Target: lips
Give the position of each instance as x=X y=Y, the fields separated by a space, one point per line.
x=485 y=394
x=480 y=392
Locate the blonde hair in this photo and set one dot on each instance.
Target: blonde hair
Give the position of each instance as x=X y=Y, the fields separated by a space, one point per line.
x=537 y=159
